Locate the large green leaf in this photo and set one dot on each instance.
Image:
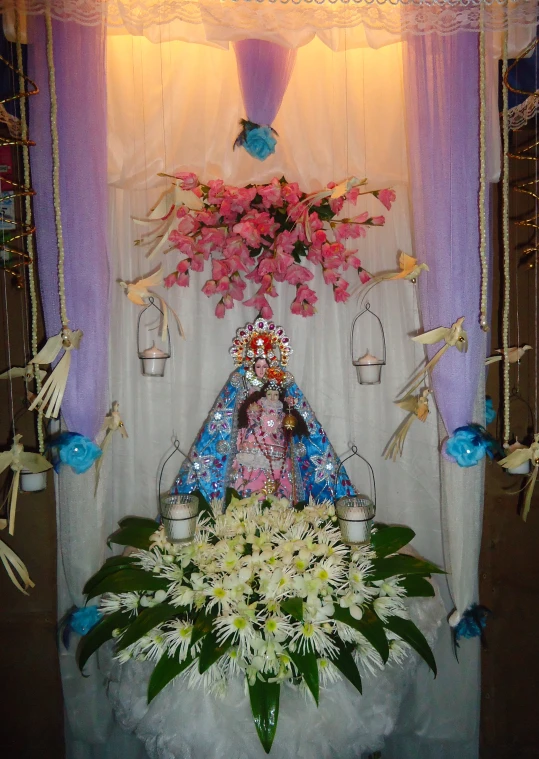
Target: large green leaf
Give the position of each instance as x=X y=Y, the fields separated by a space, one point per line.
x=203 y=505
x=369 y=625
x=128 y=580
x=202 y=627
x=390 y=539
x=99 y=635
x=410 y=633
x=230 y=493
x=307 y=664
x=265 y=708
x=136 y=535
x=417 y=586
x=146 y=621
x=402 y=565
x=112 y=565
x=140 y=523
x=345 y=662
x=166 y=669
x=294 y=607
x=211 y=651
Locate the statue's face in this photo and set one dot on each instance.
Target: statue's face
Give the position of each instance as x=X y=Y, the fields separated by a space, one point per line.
x=272 y=395
x=261 y=367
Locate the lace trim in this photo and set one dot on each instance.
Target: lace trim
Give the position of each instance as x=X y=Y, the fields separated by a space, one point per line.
x=395 y=16
x=521 y=114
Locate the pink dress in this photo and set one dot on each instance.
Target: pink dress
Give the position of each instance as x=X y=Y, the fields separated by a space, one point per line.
x=262 y=452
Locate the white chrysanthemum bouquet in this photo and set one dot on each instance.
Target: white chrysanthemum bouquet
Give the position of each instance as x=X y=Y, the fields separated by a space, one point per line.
x=267 y=591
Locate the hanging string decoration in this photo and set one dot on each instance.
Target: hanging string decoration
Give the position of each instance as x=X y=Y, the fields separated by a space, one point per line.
x=50 y=397
x=265 y=234
x=483 y=311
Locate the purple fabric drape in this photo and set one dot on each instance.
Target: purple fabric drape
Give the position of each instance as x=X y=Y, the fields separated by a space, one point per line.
x=264 y=70
x=79 y=55
x=442 y=91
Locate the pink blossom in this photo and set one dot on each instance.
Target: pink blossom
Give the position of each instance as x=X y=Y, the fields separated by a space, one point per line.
x=336 y=204
x=314 y=255
x=183 y=279
x=387 y=197
x=377 y=221
x=304 y=292
x=209 y=288
x=260 y=302
x=271 y=194
x=364 y=276
x=222 y=285
x=332 y=254
x=330 y=276
x=228 y=301
x=197 y=262
x=237 y=287
x=267 y=287
x=184 y=265
x=352 y=195
x=360 y=218
x=297 y=275
x=283 y=261
x=354 y=261
x=208 y=218
x=315 y=222
x=220 y=310
x=170 y=279
x=219 y=268
x=211 y=241
x=319 y=238
x=216 y=191
x=266 y=266
x=286 y=240
x=291 y=193
x=185 y=244
x=346 y=231
x=296 y=212
x=188 y=180
x=249 y=233
x=187 y=224
x=340 y=294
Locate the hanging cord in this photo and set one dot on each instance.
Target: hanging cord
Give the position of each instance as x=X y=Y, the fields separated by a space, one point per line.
x=483 y=319
x=29 y=239
x=506 y=256
x=56 y=168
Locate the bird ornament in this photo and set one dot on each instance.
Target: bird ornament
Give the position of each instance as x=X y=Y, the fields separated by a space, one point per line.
x=408 y=269
x=418 y=408
x=516 y=458
x=513 y=354
x=17 y=459
x=28 y=373
x=139 y=293
x=51 y=394
x=113 y=423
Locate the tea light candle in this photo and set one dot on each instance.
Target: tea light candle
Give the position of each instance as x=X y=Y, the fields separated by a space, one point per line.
x=153 y=361
x=356 y=516
x=369 y=369
x=32 y=482
x=523 y=468
x=179 y=515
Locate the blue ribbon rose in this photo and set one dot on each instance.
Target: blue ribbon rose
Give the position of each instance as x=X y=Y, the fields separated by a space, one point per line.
x=75 y=450
x=490 y=413
x=468 y=445
x=257 y=140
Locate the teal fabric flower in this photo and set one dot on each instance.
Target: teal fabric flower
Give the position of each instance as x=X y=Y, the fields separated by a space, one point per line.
x=85 y=619
x=490 y=413
x=257 y=140
x=77 y=451
x=466 y=446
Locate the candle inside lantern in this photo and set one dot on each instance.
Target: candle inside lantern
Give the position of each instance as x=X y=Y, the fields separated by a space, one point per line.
x=369 y=369
x=179 y=513
x=32 y=482
x=153 y=361
x=523 y=468
x=356 y=516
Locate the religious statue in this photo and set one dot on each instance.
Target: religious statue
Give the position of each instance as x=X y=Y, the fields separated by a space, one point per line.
x=261 y=436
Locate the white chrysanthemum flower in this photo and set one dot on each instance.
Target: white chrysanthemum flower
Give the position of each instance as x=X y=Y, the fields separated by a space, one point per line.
x=182 y=595
x=177 y=636
x=232 y=663
x=366 y=655
x=399 y=650
x=277 y=584
x=212 y=680
x=363 y=553
x=352 y=601
x=172 y=572
x=385 y=607
x=277 y=627
x=124 y=655
x=390 y=587
x=310 y=636
x=148 y=599
x=328 y=672
x=150 y=561
x=111 y=602
x=217 y=595
x=238 y=627
x=152 y=645
x=159 y=539
x=318 y=610
x=330 y=570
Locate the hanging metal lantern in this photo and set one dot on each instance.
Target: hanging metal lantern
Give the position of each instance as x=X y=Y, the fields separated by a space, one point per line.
x=179 y=511
x=356 y=512
x=368 y=366
x=153 y=358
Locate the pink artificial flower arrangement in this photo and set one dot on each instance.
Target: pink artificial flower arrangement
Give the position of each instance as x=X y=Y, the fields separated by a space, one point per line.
x=266 y=235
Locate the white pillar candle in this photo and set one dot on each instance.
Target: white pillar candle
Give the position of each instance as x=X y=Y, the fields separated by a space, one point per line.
x=356 y=516
x=369 y=369
x=153 y=361
x=32 y=482
x=179 y=513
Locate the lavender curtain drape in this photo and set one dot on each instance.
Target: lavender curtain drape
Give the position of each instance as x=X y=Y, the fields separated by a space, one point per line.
x=442 y=81
x=79 y=57
x=264 y=70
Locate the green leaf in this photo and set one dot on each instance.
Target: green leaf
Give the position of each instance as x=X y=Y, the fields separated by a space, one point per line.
x=369 y=626
x=146 y=621
x=141 y=523
x=402 y=565
x=294 y=607
x=203 y=505
x=307 y=664
x=211 y=651
x=230 y=494
x=127 y=580
x=265 y=708
x=390 y=539
x=137 y=536
x=345 y=662
x=112 y=565
x=300 y=505
x=99 y=634
x=202 y=627
x=410 y=633
x=417 y=586
x=166 y=669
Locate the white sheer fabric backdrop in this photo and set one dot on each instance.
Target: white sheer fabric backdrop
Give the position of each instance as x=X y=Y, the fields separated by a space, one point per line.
x=327 y=131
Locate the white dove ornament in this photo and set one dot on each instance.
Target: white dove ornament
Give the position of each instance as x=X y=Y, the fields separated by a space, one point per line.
x=51 y=394
x=17 y=459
